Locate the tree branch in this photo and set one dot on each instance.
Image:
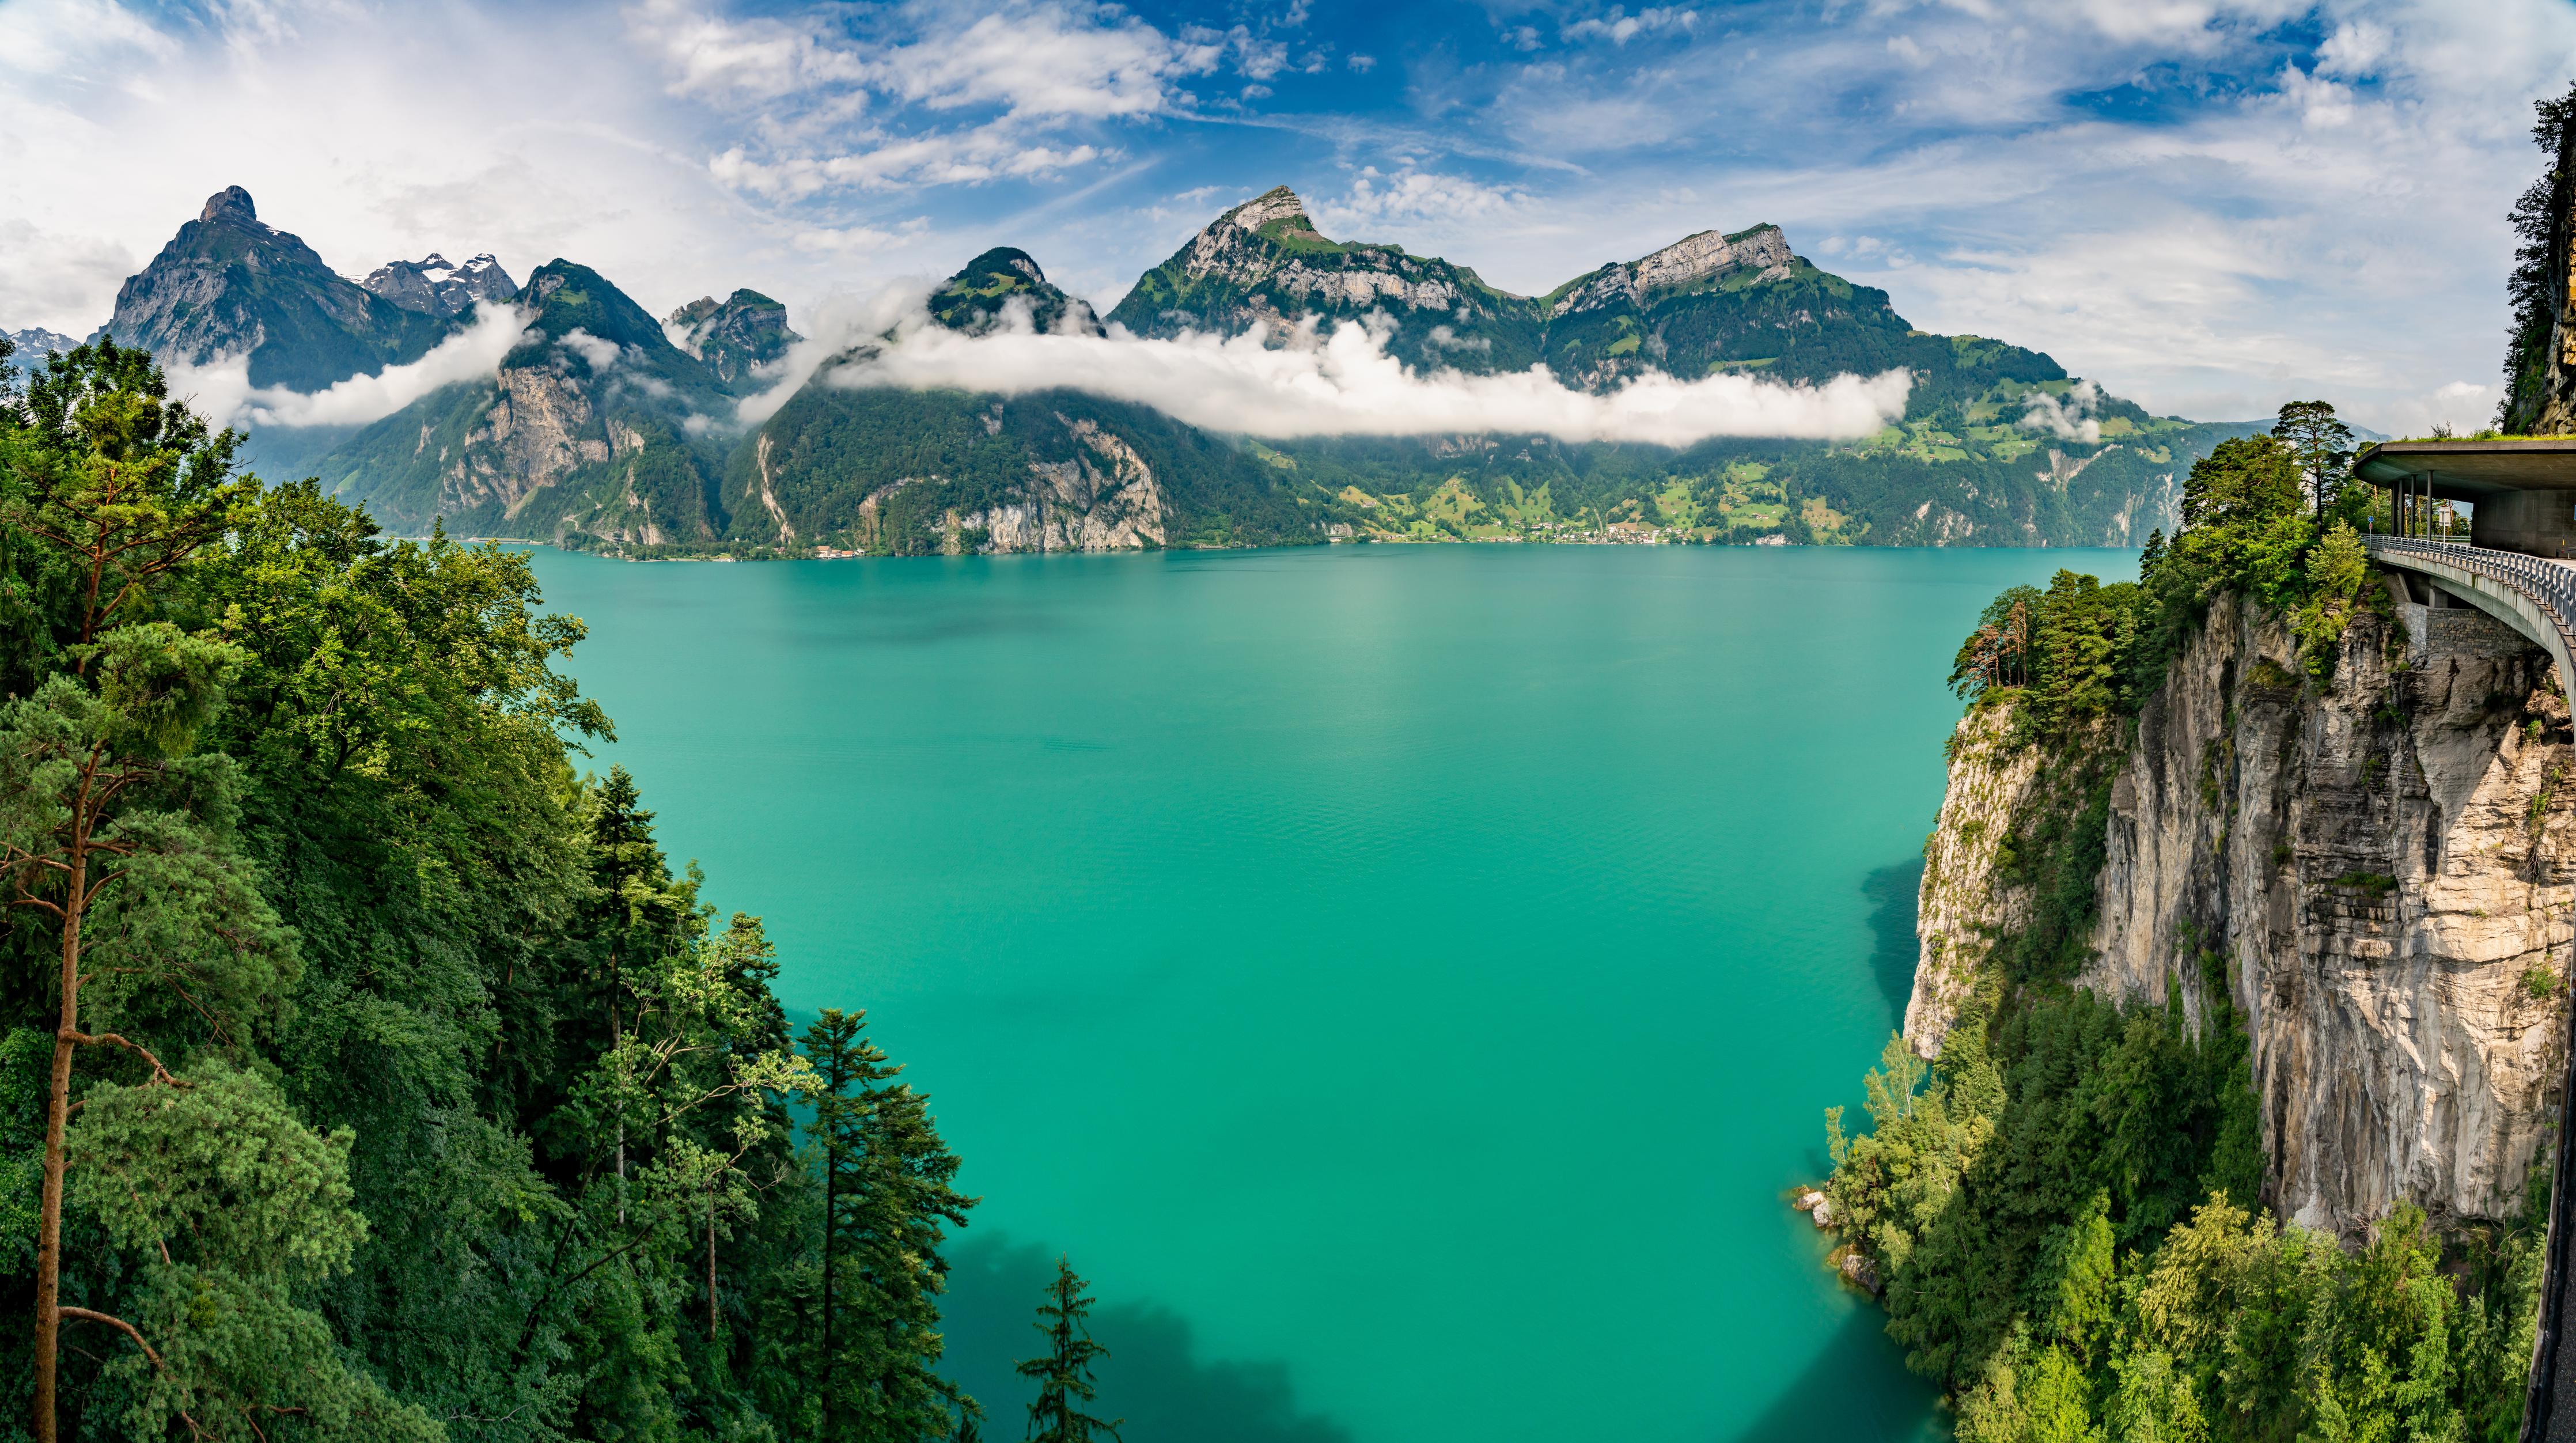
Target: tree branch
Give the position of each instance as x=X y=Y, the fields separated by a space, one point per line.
x=132 y=1332
x=110 y=1039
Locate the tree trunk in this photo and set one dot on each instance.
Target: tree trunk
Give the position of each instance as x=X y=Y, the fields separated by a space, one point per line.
x=831 y=1241
x=49 y=1245
x=711 y=1262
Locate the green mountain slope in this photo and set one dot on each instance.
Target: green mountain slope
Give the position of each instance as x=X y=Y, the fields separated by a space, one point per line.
x=914 y=472
x=1709 y=302
x=1886 y=492
x=596 y=429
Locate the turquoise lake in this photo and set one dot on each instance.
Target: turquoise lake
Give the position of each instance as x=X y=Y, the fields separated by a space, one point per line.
x=1404 y=980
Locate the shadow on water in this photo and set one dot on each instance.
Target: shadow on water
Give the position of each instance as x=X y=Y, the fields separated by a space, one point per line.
x=1153 y=1377
x=1892 y=893
x=1847 y=1391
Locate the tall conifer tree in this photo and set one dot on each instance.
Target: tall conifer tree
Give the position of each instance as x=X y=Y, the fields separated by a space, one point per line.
x=888 y=1197
x=1064 y=1374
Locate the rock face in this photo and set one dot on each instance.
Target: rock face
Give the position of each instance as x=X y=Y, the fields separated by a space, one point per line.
x=1964 y=907
x=229 y=285
x=433 y=287
x=1103 y=498
x=2385 y=864
x=1706 y=256
x=748 y=330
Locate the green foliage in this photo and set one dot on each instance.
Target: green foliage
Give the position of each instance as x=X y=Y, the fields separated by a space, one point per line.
x=2321 y=447
x=887 y=1192
x=437 y=1105
x=2081 y=652
x=2536 y=287
x=2053 y=1220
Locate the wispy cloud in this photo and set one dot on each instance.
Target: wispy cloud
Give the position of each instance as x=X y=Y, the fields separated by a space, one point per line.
x=1619 y=27
x=221 y=390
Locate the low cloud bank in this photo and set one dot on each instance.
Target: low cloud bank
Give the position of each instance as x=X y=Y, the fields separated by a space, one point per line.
x=2067 y=419
x=1346 y=384
x=221 y=389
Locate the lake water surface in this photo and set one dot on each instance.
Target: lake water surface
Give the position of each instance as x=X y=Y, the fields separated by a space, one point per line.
x=1404 y=980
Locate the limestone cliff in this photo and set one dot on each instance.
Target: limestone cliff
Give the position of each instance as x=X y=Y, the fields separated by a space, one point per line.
x=2384 y=863
x=1964 y=906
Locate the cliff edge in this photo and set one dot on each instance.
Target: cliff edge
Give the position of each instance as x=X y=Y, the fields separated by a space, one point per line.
x=2381 y=866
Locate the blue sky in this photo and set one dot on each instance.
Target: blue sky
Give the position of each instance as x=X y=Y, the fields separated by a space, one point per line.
x=2209 y=205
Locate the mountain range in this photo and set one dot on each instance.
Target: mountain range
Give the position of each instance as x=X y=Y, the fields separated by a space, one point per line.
x=606 y=428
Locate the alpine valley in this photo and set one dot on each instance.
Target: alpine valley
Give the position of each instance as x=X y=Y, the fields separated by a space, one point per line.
x=606 y=429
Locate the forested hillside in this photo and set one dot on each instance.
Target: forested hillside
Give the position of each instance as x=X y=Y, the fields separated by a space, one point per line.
x=368 y=1069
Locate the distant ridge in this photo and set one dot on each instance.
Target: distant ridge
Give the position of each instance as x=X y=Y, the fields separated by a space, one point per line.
x=608 y=429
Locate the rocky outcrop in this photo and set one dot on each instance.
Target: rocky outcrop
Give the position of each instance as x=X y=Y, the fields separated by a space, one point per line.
x=2385 y=864
x=1964 y=907
x=1686 y=262
x=433 y=287
x=1264 y=263
x=1102 y=498
x=748 y=330
x=1004 y=287
x=1300 y=263
x=2380 y=867
x=539 y=428
x=30 y=347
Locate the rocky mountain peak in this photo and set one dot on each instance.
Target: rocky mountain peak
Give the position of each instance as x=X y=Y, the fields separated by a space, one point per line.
x=34 y=344
x=973 y=299
x=433 y=286
x=232 y=204
x=229 y=285
x=746 y=330
x=1276 y=203
x=1689 y=261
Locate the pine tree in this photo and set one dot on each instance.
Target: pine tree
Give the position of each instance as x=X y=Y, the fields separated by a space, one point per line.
x=888 y=1189
x=2320 y=445
x=1064 y=1374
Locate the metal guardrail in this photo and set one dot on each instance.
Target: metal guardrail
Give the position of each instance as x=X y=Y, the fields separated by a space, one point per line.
x=2551 y=586
x=2551 y=583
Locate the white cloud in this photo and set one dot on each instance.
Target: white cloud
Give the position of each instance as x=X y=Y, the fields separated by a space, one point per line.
x=1346 y=383
x=221 y=390
x=988 y=152
x=1618 y=27
x=1414 y=196
x=596 y=352
x=2355 y=48
x=1050 y=58
x=750 y=59
x=2463 y=406
x=2067 y=418
x=74 y=36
